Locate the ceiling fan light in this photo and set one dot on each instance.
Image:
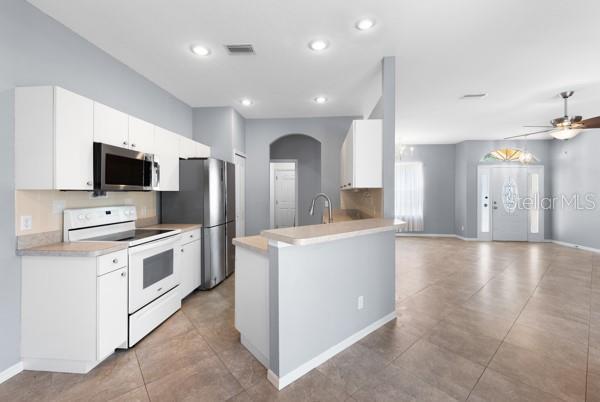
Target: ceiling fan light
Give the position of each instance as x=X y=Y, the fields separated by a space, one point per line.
x=564 y=134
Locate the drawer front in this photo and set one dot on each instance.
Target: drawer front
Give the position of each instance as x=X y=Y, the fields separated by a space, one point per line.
x=188 y=237
x=109 y=262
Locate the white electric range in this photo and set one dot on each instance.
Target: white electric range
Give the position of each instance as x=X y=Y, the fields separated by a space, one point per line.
x=153 y=262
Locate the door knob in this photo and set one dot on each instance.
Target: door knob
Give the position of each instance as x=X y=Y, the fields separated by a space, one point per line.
x=495 y=207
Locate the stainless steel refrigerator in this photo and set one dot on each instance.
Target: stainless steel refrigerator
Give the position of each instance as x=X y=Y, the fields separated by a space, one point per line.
x=206 y=195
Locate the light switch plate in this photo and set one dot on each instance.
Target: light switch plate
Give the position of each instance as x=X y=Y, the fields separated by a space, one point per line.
x=360 y=302
x=26 y=222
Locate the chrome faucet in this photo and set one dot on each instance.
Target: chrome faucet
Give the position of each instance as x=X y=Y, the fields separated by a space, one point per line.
x=311 y=211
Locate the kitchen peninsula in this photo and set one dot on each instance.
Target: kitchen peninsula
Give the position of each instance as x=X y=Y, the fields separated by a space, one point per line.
x=303 y=294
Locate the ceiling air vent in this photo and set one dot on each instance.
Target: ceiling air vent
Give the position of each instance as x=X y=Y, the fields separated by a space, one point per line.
x=240 y=49
x=474 y=96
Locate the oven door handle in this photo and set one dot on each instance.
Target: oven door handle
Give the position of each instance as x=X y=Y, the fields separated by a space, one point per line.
x=165 y=243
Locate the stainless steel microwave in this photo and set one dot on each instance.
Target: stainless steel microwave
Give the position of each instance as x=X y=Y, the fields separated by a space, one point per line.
x=121 y=169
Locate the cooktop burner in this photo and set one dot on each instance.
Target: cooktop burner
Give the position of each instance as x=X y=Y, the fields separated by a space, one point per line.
x=131 y=235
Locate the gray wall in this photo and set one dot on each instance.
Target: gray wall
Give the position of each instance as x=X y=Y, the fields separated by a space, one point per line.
x=222 y=128
x=36 y=50
x=439 y=180
x=301 y=305
x=388 y=108
x=468 y=157
x=260 y=133
x=460 y=189
x=307 y=152
x=576 y=170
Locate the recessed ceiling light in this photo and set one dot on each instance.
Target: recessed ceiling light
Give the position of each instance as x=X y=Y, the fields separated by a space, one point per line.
x=246 y=102
x=364 y=24
x=318 y=44
x=320 y=99
x=199 y=50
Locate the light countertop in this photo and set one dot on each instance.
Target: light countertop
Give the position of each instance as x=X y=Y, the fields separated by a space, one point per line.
x=184 y=227
x=74 y=249
x=256 y=243
x=312 y=234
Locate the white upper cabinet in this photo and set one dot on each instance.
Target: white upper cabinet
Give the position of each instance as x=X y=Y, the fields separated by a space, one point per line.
x=121 y=130
x=54 y=132
x=362 y=156
x=167 y=155
x=74 y=134
x=189 y=148
x=110 y=126
x=141 y=135
x=202 y=151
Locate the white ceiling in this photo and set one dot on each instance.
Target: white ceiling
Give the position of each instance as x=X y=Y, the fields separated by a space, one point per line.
x=521 y=52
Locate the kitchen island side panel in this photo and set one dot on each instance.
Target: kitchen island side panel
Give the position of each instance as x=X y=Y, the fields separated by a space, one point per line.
x=315 y=293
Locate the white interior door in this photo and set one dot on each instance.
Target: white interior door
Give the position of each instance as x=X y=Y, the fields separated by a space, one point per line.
x=240 y=195
x=509 y=219
x=284 y=195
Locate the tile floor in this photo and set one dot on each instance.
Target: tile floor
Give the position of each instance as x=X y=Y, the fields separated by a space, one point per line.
x=476 y=321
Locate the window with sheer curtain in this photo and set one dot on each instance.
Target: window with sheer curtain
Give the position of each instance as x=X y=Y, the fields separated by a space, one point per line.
x=409 y=195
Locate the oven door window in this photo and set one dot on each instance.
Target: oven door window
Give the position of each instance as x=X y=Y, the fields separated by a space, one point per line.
x=157 y=267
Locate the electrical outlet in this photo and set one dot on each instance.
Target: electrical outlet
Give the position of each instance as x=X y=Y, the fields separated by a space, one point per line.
x=58 y=206
x=26 y=222
x=360 y=302
x=462 y=228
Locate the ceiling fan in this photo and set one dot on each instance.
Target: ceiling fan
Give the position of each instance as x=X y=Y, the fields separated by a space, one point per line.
x=565 y=127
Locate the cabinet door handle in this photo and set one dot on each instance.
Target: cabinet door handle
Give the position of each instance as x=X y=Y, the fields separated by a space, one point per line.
x=124 y=142
x=133 y=145
x=123 y=274
x=182 y=250
x=116 y=261
x=191 y=236
x=89 y=183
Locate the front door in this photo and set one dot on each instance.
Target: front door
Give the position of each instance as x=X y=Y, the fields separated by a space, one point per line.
x=509 y=219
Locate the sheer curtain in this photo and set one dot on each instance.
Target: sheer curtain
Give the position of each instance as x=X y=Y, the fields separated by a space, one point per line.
x=409 y=195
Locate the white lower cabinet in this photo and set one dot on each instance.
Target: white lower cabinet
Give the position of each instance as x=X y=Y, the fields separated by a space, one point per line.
x=112 y=312
x=74 y=311
x=190 y=262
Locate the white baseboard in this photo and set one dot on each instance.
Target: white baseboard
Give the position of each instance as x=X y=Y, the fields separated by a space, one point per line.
x=577 y=246
x=447 y=235
x=467 y=238
x=282 y=382
x=11 y=371
x=419 y=234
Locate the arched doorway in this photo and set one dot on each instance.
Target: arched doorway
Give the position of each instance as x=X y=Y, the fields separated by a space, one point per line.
x=298 y=159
